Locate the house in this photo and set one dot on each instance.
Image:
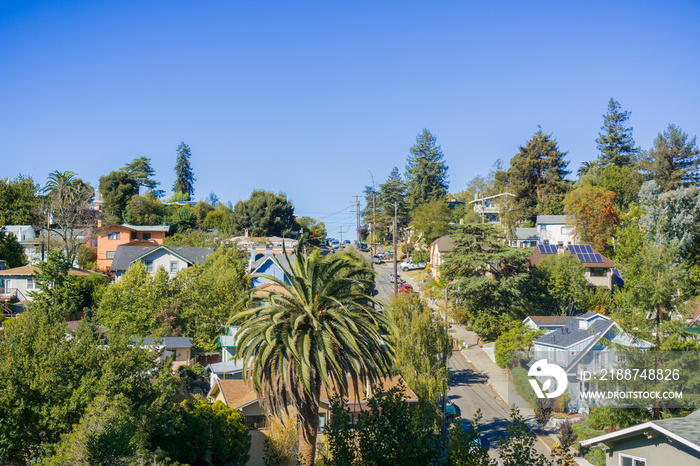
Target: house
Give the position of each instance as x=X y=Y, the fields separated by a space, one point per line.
x=674 y=441
x=270 y=264
x=17 y=285
x=437 y=251
x=271 y=245
x=108 y=238
x=171 y=258
x=492 y=208
x=549 y=229
x=600 y=271
x=28 y=238
x=240 y=394
x=180 y=348
x=574 y=340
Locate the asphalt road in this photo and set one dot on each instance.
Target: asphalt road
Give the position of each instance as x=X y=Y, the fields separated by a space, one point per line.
x=468 y=388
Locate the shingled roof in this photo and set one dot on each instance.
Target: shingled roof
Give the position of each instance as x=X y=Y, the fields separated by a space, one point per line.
x=127 y=255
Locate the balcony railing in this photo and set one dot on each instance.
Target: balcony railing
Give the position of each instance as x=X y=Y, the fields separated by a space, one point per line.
x=7 y=294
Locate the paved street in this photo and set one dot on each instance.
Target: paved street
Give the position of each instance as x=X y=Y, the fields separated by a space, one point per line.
x=469 y=389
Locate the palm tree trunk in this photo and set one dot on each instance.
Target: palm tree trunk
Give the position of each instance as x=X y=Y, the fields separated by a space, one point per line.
x=307 y=434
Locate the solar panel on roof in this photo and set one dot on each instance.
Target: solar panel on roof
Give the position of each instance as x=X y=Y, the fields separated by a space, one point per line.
x=575 y=248
x=597 y=258
x=583 y=257
x=541 y=248
x=588 y=249
x=552 y=249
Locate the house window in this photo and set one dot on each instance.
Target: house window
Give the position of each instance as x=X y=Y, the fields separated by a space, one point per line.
x=543 y=227
x=174 y=265
x=321 y=421
x=113 y=235
x=30 y=284
x=149 y=266
x=626 y=460
x=598 y=272
x=110 y=254
x=146 y=236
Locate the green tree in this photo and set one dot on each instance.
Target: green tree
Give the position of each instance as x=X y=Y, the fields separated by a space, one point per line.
x=615 y=141
x=316 y=333
x=220 y=219
x=10 y=250
x=145 y=210
x=674 y=161
x=105 y=435
x=387 y=432
x=488 y=278
x=536 y=177
x=264 y=214
x=116 y=189
x=19 y=201
x=517 y=448
x=670 y=218
x=431 y=220
x=315 y=228
x=182 y=219
x=142 y=171
x=392 y=200
x=68 y=200
x=201 y=210
x=184 y=176
x=56 y=291
x=593 y=214
x=518 y=339
x=426 y=172
x=423 y=347
x=562 y=286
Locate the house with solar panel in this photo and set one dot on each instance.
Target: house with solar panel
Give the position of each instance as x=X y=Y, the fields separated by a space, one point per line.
x=549 y=229
x=599 y=269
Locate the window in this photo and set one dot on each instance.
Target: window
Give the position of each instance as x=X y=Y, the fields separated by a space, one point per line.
x=599 y=272
x=321 y=421
x=543 y=227
x=626 y=460
x=30 y=284
x=146 y=236
x=149 y=266
x=110 y=254
x=174 y=265
x=113 y=235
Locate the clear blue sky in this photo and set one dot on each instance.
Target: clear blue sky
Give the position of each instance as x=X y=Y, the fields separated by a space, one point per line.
x=308 y=98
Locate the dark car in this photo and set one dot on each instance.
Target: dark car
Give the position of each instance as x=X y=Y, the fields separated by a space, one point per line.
x=347 y=241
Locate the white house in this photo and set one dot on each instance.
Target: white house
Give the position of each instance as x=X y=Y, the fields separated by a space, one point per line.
x=491 y=208
x=172 y=259
x=550 y=229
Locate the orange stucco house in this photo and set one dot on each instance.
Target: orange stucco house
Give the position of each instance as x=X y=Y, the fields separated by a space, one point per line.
x=107 y=239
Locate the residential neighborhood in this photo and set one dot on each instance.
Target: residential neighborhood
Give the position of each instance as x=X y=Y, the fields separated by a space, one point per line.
x=349 y=234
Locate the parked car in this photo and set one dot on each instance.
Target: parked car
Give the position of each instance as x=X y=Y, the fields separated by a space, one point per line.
x=406 y=288
x=376 y=259
x=408 y=264
x=347 y=241
x=451 y=410
x=391 y=278
x=335 y=244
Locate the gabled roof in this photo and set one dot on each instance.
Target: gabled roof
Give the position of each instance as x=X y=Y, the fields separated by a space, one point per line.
x=167 y=342
x=684 y=430
x=29 y=270
x=237 y=393
x=260 y=259
x=127 y=255
x=570 y=334
x=551 y=219
x=526 y=234
x=550 y=321
x=444 y=244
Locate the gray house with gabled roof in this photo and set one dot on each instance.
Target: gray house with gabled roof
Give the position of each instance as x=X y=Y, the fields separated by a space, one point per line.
x=172 y=259
x=673 y=441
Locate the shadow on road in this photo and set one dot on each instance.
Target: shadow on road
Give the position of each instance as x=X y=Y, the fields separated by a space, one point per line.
x=465 y=377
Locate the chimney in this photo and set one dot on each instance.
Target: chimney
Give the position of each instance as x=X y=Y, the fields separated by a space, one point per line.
x=99 y=224
x=246 y=233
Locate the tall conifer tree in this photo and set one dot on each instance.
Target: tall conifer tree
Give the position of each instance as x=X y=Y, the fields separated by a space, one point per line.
x=536 y=177
x=674 y=161
x=393 y=190
x=184 y=181
x=615 y=141
x=426 y=172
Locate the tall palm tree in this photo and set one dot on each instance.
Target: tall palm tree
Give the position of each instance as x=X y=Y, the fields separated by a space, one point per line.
x=60 y=183
x=319 y=330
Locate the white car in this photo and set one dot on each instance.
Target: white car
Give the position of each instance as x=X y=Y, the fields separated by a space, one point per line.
x=410 y=265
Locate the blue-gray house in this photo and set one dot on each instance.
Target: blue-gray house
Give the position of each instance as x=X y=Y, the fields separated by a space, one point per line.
x=268 y=264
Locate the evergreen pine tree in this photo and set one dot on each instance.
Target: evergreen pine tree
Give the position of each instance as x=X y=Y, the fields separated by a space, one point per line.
x=184 y=181
x=536 y=177
x=615 y=141
x=143 y=172
x=426 y=172
x=393 y=190
x=674 y=161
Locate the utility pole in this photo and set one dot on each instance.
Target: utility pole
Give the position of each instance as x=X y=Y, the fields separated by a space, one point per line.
x=374 y=224
x=357 y=210
x=396 y=275
x=341 y=233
